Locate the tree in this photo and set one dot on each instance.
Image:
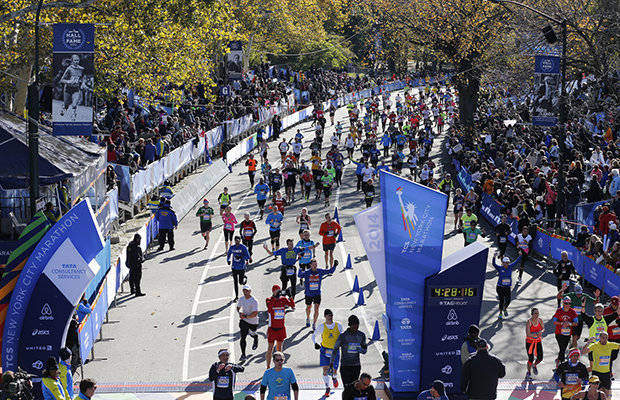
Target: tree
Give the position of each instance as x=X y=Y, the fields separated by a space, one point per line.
x=466 y=32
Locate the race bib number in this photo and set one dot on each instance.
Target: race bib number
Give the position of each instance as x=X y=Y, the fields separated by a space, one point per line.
x=577 y=309
x=472 y=236
x=506 y=281
x=571 y=379
x=615 y=330
x=361 y=398
x=275 y=224
x=224 y=203
x=352 y=348
x=603 y=361
x=283 y=397
x=223 y=381
x=566 y=282
x=228 y=227
x=565 y=330
x=502 y=239
x=330 y=233
x=328 y=352
x=248 y=232
x=303 y=226
x=278 y=314
x=314 y=286
x=290 y=271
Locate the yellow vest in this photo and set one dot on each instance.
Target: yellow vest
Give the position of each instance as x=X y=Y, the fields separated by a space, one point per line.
x=597 y=327
x=329 y=336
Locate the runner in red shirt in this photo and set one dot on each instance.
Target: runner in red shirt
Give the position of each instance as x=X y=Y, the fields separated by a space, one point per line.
x=613 y=329
x=276 y=307
x=247 y=230
x=329 y=230
x=564 y=319
x=279 y=202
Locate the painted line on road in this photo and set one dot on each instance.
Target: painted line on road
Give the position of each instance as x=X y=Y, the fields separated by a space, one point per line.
x=192 y=318
x=213 y=300
x=212 y=320
x=205 y=346
x=219 y=281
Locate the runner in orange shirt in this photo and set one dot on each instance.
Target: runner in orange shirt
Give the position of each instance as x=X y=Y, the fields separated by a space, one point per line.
x=251 y=164
x=330 y=231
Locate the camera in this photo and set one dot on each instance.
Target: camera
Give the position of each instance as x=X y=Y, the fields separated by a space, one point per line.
x=17 y=385
x=288 y=292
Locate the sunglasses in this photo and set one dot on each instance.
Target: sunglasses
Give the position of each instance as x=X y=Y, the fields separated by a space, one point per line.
x=278 y=360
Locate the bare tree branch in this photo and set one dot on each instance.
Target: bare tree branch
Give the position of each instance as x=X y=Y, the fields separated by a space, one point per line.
x=46 y=6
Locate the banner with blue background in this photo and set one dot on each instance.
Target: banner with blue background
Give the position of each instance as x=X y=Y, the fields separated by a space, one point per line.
x=413 y=223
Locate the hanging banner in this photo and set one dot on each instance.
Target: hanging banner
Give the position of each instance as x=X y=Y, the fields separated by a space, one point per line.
x=369 y=224
x=546 y=97
x=235 y=60
x=73 y=79
x=413 y=224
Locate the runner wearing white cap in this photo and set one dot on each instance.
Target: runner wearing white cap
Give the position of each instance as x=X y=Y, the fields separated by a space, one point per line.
x=504 y=283
x=247 y=307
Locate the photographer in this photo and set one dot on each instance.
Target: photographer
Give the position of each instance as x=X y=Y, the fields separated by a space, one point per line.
x=51 y=384
x=16 y=386
x=222 y=374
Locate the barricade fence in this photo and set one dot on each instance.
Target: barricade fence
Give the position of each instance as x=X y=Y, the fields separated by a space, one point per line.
x=548 y=244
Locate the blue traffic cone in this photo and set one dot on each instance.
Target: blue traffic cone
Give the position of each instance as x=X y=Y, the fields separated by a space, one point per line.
x=376 y=336
x=356 y=285
x=336 y=215
x=349 y=265
x=340 y=238
x=360 y=299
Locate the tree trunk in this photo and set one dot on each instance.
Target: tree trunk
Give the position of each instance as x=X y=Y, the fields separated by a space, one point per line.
x=468 y=102
x=247 y=52
x=21 y=92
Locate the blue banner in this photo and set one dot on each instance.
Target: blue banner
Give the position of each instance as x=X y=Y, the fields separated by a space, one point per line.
x=413 y=223
x=594 y=273
x=542 y=244
x=585 y=213
x=546 y=97
x=50 y=286
x=73 y=79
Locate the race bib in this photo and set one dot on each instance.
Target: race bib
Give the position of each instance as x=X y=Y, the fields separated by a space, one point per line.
x=506 y=281
x=290 y=271
x=228 y=227
x=565 y=283
x=502 y=239
x=577 y=309
x=603 y=361
x=283 y=397
x=330 y=233
x=472 y=236
x=303 y=226
x=278 y=314
x=223 y=381
x=565 y=330
x=328 y=352
x=352 y=348
x=224 y=203
x=571 y=379
x=615 y=330
x=314 y=286
x=275 y=224
x=248 y=232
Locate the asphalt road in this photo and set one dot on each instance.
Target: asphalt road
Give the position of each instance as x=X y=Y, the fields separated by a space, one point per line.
x=175 y=331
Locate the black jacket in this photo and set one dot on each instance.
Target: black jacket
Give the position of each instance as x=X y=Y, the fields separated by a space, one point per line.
x=134 y=255
x=480 y=375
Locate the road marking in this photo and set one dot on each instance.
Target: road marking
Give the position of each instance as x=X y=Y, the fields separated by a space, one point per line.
x=204 y=346
x=190 y=325
x=213 y=300
x=219 y=281
x=212 y=319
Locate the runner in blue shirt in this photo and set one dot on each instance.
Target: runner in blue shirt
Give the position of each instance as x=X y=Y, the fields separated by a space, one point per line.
x=240 y=255
x=308 y=253
x=261 y=191
x=312 y=288
x=279 y=380
x=338 y=166
x=288 y=270
x=274 y=220
x=504 y=283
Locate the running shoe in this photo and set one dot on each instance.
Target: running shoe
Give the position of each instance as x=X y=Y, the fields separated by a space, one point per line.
x=243 y=358
x=335 y=381
x=528 y=376
x=535 y=370
x=313 y=327
x=519 y=281
x=500 y=315
x=235 y=299
x=505 y=313
x=327 y=392
x=255 y=345
x=307 y=322
x=245 y=280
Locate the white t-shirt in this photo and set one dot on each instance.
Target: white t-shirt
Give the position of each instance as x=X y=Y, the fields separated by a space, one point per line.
x=367 y=173
x=283 y=147
x=335 y=140
x=248 y=306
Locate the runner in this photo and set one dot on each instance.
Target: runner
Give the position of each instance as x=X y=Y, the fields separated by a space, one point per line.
x=471 y=234
x=274 y=220
x=276 y=332
x=288 y=270
x=283 y=147
x=534 y=329
x=563 y=271
x=261 y=191
x=601 y=353
x=312 y=288
x=247 y=231
x=329 y=230
x=458 y=202
x=307 y=254
x=504 y=283
x=247 y=307
x=613 y=330
x=369 y=193
x=279 y=380
x=290 y=174
x=579 y=300
x=251 y=164
x=224 y=199
x=206 y=214
x=524 y=243
x=304 y=221
x=565 y=320
x=502 y=231
x=326 y=181
x=572 y=374
x=352 y=343
x=229 y=226
x=593 y=392
x=598 y=322
x=324 y=339
x=223 y=376
x=279 y=202
x=239 y=255
x=307 y=184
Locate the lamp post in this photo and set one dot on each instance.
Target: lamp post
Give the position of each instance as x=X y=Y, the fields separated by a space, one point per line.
x=33 y=121
x=562 y=122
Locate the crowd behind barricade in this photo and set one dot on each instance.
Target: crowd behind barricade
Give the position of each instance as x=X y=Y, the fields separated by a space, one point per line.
x=517 y=164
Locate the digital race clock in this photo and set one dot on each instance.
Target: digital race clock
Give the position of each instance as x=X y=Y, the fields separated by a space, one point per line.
x=453 y=295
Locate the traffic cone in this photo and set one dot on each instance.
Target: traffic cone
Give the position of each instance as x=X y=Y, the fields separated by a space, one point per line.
x=349 y=265
x=340 y=238
x=356 y=285
x=376 y=336
x=336 y=215
x=360 y=299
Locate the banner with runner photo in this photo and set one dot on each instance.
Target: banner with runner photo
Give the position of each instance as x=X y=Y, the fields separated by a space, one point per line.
x=235 y=60
x=546 y=96
x=413 y=224
x=73 y=79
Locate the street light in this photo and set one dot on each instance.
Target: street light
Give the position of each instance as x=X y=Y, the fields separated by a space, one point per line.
x=33 y=121
x=562 y=135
